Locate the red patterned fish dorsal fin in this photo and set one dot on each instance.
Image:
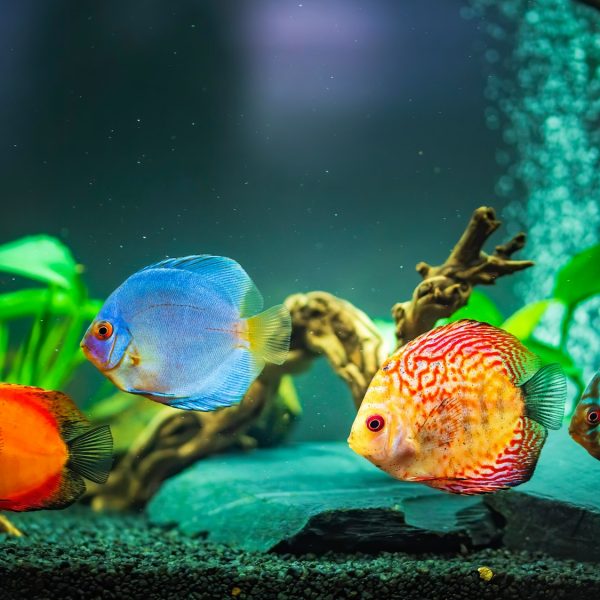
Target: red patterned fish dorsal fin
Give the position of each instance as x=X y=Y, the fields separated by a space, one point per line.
x=515 y=465
x=441 y=424
x=520 y=362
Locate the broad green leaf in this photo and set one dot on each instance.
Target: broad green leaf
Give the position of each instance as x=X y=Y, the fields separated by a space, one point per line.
x=42 y=258
x=550 y=354
x=479 y=307
x=579 y=279
x=523 y=322
x=25 y=303
x=4 y=337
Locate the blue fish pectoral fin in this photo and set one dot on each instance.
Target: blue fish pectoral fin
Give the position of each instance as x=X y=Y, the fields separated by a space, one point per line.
x=545 y=395
x=226 y=386
x=222 y=274
x=119 y=346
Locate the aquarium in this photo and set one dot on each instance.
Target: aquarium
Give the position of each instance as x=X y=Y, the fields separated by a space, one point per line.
x=300 y=299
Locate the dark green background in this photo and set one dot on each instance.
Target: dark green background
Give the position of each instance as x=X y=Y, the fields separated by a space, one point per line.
x=323 y=144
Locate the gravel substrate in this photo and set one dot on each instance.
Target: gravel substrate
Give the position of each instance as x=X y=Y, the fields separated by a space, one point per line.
x=78 y=554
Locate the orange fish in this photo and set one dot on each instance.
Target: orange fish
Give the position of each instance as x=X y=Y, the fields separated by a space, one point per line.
x=463 y=408
x=47 y=447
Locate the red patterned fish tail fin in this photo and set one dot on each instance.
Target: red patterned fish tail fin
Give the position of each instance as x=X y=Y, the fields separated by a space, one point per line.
x=545 y=395
x=514 y=466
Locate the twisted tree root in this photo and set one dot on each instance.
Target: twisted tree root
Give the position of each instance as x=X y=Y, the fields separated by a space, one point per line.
x=322 y=324
x=447 y=288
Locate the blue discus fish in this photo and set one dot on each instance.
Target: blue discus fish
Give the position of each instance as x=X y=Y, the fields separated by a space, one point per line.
x=187 y=332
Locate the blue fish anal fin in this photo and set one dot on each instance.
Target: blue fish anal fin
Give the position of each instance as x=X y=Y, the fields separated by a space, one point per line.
x=222 y=274
x=545 y=395
x=227 y=386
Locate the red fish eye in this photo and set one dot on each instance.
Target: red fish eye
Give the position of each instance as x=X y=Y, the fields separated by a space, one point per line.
x=103 y=330
x=375 y=423
x=593 y=416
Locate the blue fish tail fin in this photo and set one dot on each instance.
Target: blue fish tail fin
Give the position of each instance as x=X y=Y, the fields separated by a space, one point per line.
x=269 y=334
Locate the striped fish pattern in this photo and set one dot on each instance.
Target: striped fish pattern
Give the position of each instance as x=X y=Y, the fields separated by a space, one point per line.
x=463 y=408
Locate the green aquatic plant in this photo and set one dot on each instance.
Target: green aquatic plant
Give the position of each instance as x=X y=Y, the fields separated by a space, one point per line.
x=41 y=325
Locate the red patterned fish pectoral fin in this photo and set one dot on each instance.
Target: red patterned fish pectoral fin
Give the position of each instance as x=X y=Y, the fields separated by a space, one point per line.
x=513 y=466
x=441 y=424
x=545 y=396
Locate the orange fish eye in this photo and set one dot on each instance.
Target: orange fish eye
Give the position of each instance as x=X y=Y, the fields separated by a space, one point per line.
x=592 y=416
x=375 y=423
x=103 y=330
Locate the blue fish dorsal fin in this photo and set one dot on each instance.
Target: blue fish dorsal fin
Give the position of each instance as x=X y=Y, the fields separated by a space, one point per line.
x=224 y=274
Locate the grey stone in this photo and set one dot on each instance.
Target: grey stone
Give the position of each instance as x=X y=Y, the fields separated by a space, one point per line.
x=558 y=510
x=316 y=497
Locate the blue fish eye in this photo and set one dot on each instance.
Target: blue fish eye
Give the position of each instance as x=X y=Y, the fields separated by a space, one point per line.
x=103 y=330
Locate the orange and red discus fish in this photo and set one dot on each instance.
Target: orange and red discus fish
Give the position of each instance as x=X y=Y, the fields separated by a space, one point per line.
x=463 y=408
x=47 y=447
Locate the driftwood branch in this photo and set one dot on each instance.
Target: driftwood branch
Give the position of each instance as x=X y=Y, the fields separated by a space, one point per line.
x=447 y=288
x=321 y=325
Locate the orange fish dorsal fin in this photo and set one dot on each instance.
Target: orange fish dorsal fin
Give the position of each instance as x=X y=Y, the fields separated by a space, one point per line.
x=59 y=405
x=513 y=466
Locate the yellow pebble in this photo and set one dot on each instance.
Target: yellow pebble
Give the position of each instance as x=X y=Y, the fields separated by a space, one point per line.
x=236 y=591
x=485 y=573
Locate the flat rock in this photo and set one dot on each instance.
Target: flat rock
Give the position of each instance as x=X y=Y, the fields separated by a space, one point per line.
x=558 y=510
x=316 y=497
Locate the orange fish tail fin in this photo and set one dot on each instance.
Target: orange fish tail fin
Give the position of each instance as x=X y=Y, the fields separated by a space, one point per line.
x=545 y=395
x=90 y=454
x=269 y=334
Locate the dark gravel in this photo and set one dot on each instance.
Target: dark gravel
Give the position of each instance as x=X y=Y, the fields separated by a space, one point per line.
x=78 y=554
